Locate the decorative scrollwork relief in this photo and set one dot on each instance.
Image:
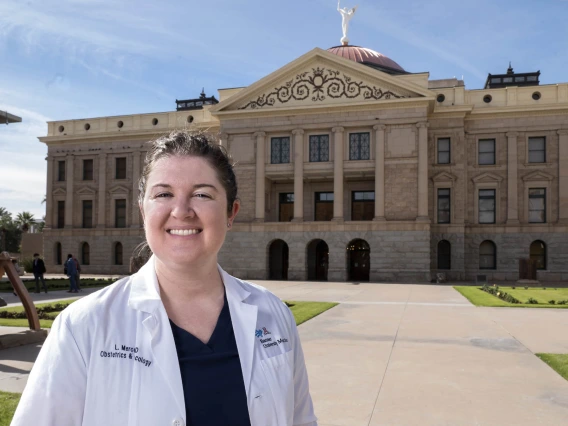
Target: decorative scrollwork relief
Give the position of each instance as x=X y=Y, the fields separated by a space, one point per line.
x=318 y=85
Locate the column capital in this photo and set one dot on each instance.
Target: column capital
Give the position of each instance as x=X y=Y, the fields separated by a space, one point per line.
x=562 y=132
x=296 y=132
x=512 y=134
x=338 y=129
x=379 y=127
x=259 y=134
x=423 y=124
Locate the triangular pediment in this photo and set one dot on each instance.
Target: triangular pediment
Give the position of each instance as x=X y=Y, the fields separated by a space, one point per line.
x=59 y=191
x=86 y=191
x=487 y=177
x=444 y=177
x=537 y=175
x=320 y=78
x=118 y=189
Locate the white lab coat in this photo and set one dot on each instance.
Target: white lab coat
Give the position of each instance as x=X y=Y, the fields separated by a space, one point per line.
x=110 y=359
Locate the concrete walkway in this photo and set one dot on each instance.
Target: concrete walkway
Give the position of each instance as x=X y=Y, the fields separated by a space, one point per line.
x=403 y=354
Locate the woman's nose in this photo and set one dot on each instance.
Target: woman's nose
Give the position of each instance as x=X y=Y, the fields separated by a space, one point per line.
x=183 y=209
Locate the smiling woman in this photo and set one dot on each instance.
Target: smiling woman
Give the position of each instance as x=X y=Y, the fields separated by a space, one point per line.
x=209 y=348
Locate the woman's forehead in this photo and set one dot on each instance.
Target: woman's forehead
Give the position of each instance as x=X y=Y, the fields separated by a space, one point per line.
x=182 y=168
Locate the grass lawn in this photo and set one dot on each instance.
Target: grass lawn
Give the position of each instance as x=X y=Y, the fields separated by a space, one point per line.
x=558 y=363
x=481 y=298
x=304 y=311
x=8 y=403
x=23 y=322
x=56 y=284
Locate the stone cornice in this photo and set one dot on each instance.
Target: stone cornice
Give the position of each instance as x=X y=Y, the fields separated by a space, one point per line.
x=259 y=134
x=512 y=134
x=380 y=127
x=297 y=132
x=338 y=129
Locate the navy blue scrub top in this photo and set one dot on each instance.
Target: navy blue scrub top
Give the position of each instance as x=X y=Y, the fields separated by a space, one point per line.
x=211 y=375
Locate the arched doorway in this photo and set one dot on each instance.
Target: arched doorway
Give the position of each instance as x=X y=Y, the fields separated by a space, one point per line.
x=318 y=260
x=359 y=260
x=278 y=260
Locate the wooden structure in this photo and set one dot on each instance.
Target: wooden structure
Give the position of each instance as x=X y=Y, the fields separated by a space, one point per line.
x=7 y=266
x=527 y=269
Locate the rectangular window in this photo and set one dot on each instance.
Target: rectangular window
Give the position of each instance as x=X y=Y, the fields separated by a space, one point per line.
x=444 y=151
x=444 y=205
x=537 y=205
x=486 y=206
x=359 y=146
x=121 y=168
x=120 y=214
x=279 y=150
x=87 y=169
x=61 y=171
x=324 y=206
x=486 y=151
x=87 y=213
x=363 y=205
x=61 y=214
x=537 y=150
x=286 y=208
x=319 y=148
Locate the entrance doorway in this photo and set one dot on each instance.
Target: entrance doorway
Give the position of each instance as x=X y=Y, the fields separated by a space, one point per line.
x=278 y=260
x=359 y=260
x=318 y=260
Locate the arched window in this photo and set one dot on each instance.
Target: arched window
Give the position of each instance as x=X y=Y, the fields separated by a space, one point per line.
x=444 y=255
x=487 y=255
x=538 y=253
x=58 y=254
x=85 y=254
x=118 y=253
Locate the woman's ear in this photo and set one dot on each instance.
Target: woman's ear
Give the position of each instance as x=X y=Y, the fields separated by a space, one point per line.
x=141 y=212
x=236 y=208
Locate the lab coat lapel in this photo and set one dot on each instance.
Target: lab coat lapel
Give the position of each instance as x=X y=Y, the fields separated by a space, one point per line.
x=243 y=317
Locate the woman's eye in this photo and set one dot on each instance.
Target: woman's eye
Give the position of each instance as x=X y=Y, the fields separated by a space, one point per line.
x=200 y=195
x=163 y=195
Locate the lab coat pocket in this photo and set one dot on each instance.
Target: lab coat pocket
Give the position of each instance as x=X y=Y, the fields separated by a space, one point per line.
x=278 y=372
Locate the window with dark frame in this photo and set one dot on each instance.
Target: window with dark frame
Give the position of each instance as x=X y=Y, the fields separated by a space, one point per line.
x=444 y=155
x=487 y=255
x=537 y=205
x=120 y=168
x=319 y=148
x=537 y=150
x=87 y=169
x=58 y=254
x=118 y=254
x=538 y=254
x=359 y=146
x=85 y=254
x=363 y=205
x=120 y=214
x=279 y=150
x=324 y=206
x=486 y=152
x=286 y=207
x=444 y=205
x=61 y=171
x=61 y=214
x=87 y=213
x=486 y=204
x=444 y=255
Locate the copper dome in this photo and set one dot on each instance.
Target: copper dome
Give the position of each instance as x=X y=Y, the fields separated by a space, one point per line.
x=367 y=57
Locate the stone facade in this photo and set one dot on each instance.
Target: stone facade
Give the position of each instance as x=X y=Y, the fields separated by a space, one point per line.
x=319 y=94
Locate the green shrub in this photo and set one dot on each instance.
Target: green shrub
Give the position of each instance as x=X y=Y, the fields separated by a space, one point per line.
x=526 y=287
x=544 y=288
x=532 y=301
x=27 y=264
x=513 y=287
x=552 y=302
x=563 y=302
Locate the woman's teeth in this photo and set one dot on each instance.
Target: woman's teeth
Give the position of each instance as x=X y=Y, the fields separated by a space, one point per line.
x=184 y=231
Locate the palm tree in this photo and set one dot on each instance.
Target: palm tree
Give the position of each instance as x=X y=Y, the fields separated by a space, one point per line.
x=4 y=212
x=25 y=220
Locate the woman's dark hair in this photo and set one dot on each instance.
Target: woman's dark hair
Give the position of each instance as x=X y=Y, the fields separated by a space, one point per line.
x=192 y=144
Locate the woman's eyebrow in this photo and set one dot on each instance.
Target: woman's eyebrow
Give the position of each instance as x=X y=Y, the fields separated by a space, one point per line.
x=196 y=186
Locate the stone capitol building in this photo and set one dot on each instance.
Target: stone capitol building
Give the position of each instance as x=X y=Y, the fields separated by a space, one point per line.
x=350 y=168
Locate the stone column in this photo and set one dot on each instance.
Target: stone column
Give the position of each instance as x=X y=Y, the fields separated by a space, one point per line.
x=260 y=175
x=379 y=171
x=135 y=177
x=69 y=189
x=101 y=215
x=48 y=194
x=422 y=172
x=298 y=175
x=563 y=176
x=224 y=140
x=338 y=174
x=512 y=190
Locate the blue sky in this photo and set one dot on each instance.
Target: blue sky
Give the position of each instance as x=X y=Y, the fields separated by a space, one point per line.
x=69 y=59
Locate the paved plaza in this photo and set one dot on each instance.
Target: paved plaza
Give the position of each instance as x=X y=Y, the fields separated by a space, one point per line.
x=404 y=354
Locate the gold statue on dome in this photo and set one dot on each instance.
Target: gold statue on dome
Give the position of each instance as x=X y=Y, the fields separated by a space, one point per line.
x=346 y=16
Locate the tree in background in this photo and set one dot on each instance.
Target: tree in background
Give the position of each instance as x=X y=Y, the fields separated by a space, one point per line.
x=10 y=232
x=25 y=220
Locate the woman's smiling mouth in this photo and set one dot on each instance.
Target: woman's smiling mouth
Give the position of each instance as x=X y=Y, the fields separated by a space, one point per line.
x=183 y=232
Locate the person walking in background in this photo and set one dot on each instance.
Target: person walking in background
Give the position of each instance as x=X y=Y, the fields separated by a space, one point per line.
x=71 y=268
x=78 y=276
x=38 y=268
